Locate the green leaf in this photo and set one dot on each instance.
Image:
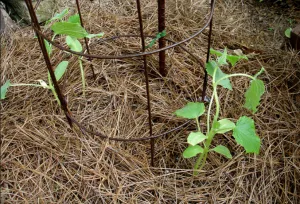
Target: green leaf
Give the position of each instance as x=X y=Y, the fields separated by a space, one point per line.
x=195 y=138
x=215 y=52
x=244 y=134
x=59 y=16
x=48 y=47
x=99 y=35
x=253 y=94
x=74 y=44
x=72 y=29
x=61 y=69
x=4 y=89
x=222 y=58
x=192 y=151
x=223 y=126
x=74 y=19
x=210 y=67
x=158 y=36
x=288 y=32
x=232 y=59
x=191 y=111
x=223 y=150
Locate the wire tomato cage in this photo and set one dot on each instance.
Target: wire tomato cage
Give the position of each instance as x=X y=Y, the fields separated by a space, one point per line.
x=141 y=54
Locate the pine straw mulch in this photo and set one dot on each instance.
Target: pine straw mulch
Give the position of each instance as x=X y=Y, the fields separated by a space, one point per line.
x=44 y=161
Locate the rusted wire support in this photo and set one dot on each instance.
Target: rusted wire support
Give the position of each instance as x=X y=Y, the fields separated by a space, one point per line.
x=161 y=42
x=36 y=25
x=140 y=54
x=85 y=39
x=146 y=72
x=143 y=54
x=37 y=4
x=204 y=87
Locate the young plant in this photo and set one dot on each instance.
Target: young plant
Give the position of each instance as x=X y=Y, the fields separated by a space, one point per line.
x=73 y=31
x=243 y=130
x=59 y=72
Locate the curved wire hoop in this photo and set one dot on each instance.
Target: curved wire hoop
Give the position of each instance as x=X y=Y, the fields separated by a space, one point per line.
x=143 y=54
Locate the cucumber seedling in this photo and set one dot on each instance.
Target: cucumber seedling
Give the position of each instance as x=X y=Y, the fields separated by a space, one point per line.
x=243 y=130
x=73 y=31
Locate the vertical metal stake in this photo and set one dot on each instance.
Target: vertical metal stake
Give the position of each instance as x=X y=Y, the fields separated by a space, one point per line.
x=85 y=39
x=161 y=41
x=146 y=71
x=208 y=54
x=36 y=25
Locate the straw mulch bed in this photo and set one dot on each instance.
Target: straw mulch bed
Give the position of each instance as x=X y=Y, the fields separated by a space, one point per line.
x=43 y=160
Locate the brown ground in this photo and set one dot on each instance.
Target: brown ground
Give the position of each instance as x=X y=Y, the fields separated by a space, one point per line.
x=44 y=161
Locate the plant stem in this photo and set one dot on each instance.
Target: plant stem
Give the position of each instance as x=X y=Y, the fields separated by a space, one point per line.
x=208 y=112
x=215 y=94
x=198 y=125
x=82 y=76
x=234 y=75
x=35 y=85
x=55 y=95
x=202 y=158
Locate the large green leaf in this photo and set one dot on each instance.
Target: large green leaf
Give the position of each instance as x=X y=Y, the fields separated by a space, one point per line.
x=72 y=29
x=74 y=44
x=223 y=150
x=192 y=151
x=61 y=69
x=195 y=138
x=210 y=67
x=244 y=134
x=74 y=19
x=253 y=94
x=223 y=126
x=4 y=89
x=191 y=111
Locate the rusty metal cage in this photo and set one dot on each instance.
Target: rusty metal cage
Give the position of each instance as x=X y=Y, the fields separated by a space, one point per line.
x=143 y=55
